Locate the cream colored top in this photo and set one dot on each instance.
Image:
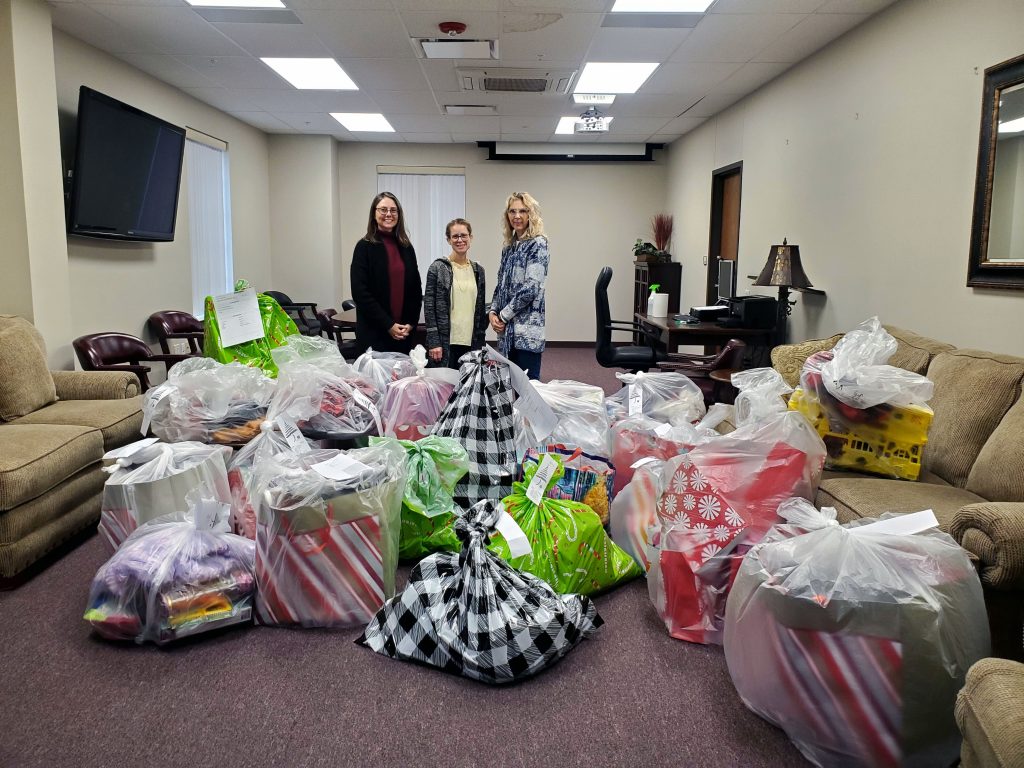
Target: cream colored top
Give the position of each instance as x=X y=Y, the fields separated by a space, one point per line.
x=463 y=303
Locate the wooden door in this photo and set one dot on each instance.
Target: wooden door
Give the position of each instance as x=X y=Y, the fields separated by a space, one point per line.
x=724 y=240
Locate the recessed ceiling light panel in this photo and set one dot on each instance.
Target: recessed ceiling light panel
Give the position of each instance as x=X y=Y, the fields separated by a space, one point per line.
x=661 y=6
x=613 y=77
x=313 y=74
x=363 y=122
x=459 y=49
x=236 y=3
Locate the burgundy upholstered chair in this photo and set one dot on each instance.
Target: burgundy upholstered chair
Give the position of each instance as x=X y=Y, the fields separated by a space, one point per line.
x=112 y=351
x=698 y=368
x=175 y=324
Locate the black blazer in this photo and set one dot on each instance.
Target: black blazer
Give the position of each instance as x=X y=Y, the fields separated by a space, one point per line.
x=371 y=291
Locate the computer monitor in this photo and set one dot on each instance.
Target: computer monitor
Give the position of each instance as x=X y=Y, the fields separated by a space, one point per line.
x=726 y=279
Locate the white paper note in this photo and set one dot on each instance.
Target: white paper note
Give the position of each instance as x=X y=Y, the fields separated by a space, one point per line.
x=238 y=315
x=518 y=544
x=904 y=525
x=341 y=467
x=663 y=430
x=541 y=478
x=125 y=451
x=367 y=403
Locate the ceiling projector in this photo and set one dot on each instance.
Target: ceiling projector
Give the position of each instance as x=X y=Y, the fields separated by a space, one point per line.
x=592 y=121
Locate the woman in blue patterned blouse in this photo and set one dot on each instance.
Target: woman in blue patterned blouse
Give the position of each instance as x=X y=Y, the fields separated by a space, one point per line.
x=516 y=312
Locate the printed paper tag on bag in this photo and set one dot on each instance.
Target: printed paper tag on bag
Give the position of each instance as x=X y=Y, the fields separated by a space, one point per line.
x=636 y=400
x=238 y=316
x=292 y=434
x=541 y=478
x=341 y=467
x=153 y=397
x=367 y=403
x=207 y=512
x=904 y=525
x=127 y=451
x=518 y=544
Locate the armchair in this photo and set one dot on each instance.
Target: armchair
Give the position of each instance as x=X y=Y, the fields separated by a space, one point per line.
x=112 y=351
x=334 y=327
x=633 y=358
x=303 y=313
x=699 y=368
x=173 y=324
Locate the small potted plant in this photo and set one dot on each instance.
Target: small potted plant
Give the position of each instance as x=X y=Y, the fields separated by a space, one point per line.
x=661 y=228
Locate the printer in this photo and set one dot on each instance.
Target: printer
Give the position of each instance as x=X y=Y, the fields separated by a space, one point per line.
x=710 y=313
x=752 y=312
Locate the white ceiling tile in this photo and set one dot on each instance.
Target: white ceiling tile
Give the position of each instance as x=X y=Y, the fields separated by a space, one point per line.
x=538 y=105
x=682 y=124
x=310 y=122
x=428 y=138
x=474 y=124
x=407 y=102
x=275 y=40
x=264 y=121
x=236 y=71
x=419 y=123
x=377 y=138
x=713 y=103
x=362 y=34
x=519 y=124
x=750 y=77
x=529 y=138
x=334 y=5
x=623 y=138
x=586 y=6
x=89 y=26
x=681 y=78
x=630 y=44
x=223 y=99
x=466 y=138
x=808 y=36
x=855 y=6
x=175 y=30
x=441 y=75
x=664 y=138
x=385 y=74
x=480 y=25
x=447 y=5
x=289 y=100
x=547 y=36
x=637 y=125
x=734 y=37
x=168 y=69
x=765 y=6
x=641 y=105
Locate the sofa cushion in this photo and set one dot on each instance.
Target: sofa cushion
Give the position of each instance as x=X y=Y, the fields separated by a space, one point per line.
x=36 y=457
x=789 y=359
x=998 y=474
x=118 y=420
x=914 y=351
x=25 y=383
x=973 y=392
x=989 y=714
x=858 y=496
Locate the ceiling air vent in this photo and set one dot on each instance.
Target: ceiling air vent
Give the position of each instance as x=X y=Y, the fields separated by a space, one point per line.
x=499 y=80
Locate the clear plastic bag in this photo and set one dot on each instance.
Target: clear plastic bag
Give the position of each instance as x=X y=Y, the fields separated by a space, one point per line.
x=155 y=481
x=665 y=396
x=327 y=534
x=383 y=368
x=209 y=402
x=472 y=614
x=633 y=518
x=177 y=576
x=582 y=417
x=587 y=479
x=412 y=404
x=868 y=634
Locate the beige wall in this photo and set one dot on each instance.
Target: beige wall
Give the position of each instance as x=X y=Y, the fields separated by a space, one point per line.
x=865 y=155
x=593 y=213
x=116 y=286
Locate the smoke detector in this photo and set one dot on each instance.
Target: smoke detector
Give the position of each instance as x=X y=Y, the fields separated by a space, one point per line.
x=452 y=46
x=452 y=28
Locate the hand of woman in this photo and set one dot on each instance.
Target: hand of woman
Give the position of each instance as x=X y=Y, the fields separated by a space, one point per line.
x=435 y=354
x=398 y=332
x=496 y=323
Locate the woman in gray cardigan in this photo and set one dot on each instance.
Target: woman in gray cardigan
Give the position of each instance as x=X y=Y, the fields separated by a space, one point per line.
x=453 y=305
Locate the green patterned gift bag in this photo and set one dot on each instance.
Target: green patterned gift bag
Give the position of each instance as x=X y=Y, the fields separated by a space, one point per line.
x=571 y=550
x=277 y=326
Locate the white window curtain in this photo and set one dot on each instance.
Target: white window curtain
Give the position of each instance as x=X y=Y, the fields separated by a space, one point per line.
x=209 y=218
x=429 y=202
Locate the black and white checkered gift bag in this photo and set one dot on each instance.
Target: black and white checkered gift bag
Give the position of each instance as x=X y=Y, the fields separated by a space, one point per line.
x=472 y=614
x=479 y=416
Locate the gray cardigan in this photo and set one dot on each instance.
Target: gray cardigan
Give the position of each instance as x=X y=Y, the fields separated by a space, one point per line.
x=437 y=307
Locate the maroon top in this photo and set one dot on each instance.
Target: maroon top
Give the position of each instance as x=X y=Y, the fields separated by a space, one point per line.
x=396 y=275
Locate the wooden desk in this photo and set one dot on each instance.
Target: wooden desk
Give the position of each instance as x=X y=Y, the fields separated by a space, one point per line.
x=673 y=334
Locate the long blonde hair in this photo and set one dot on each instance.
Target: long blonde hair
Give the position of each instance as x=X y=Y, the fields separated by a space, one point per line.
x=536 y=226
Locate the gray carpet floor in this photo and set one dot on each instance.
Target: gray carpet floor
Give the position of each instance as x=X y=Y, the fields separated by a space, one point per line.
x=257 y=696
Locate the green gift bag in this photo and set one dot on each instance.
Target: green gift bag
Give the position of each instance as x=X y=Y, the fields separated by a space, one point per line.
x=277 y=326
x=571 y=550
x=433 y=466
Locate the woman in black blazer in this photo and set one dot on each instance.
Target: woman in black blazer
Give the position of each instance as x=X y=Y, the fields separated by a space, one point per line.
x=386 y=280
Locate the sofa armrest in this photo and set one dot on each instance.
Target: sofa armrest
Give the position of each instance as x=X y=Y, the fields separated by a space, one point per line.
x=789 y=359
x=990 y=714
x=95 y=385
x=993 y=532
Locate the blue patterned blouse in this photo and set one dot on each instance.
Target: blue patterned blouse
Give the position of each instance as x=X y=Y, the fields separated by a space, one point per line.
x=519 y=294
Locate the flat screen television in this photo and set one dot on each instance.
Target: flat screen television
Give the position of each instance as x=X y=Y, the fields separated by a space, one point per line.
x=124 y=184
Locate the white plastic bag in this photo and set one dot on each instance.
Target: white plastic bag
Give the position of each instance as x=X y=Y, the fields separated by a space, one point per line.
x=383 y=368
x=665 y=396
x=412 y=404
x=582 y=418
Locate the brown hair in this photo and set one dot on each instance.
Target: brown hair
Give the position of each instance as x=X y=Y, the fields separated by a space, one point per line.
x=536 y=226
x=452 y=223
x=371 y=224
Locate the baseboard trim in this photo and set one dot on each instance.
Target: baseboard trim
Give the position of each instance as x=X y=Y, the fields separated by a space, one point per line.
x=570 y=344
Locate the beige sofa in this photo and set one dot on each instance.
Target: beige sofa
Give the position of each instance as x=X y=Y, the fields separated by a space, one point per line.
x=54 y=428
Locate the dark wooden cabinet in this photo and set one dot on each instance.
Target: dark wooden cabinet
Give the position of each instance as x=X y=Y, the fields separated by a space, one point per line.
x=669 y=276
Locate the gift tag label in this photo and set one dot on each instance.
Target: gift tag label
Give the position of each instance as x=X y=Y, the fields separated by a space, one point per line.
x=238 y=315
x=292 y=434
x=367 y=403
x=541 y=478
x=642 y=462
x=207 y=512
x=663 y=430
x=636 y=400
x=341 y=467
x=904 y=525
x=518 y=544
x=127 y=451
x=153 y=397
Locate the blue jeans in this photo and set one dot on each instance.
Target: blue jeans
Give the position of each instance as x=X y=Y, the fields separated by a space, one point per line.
x=528 y=361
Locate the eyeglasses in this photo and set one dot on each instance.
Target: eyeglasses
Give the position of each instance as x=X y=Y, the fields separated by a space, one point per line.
x=387 y=211
x=520 y=211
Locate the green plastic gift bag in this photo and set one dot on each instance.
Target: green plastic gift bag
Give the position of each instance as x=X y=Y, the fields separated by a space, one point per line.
x=433 y=466
x=571 y=550
x=277 y=326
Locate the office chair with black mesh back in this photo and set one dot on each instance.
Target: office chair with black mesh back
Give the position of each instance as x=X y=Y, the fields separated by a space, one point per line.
x=175 y=324
x=631 y=357
x=112 y=351
x=303 y=313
